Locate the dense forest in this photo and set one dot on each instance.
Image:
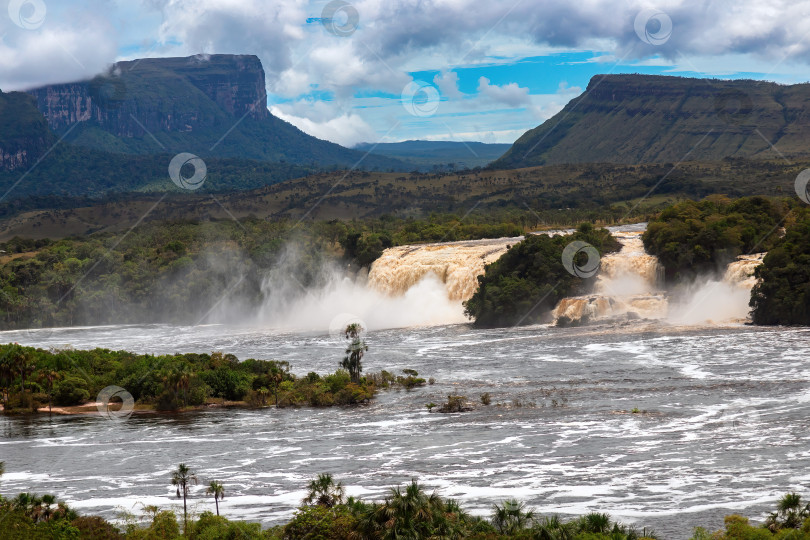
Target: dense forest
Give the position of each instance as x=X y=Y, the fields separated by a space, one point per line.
x=325 y=513
x=783 y=294
x=524 y=285
x=695 y=238
x=181 y=271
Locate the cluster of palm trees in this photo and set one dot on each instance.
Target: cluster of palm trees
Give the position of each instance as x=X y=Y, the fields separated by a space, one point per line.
x=183 y=478
x=41 y=508
x=414 y=513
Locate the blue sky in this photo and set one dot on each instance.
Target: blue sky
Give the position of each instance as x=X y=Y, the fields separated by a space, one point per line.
x=389 y=70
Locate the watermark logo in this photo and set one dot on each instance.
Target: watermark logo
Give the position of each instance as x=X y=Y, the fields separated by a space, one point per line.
x=420 y=98
x=802 y=185
x=653 y=26
x=108 y=91
x=108 y=400
x=572 y=259
x=27 y=14
x=733 y=106
x=185 y=160
x=340 y=18
x=337 y=327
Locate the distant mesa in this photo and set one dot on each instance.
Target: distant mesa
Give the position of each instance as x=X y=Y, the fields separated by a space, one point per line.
x=659 y=119
x=212 y=105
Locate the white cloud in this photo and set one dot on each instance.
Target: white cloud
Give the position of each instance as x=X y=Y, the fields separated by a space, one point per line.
x=398 y=37
x=65 y=48
x=447 y=82
x=509 y=94
x=346 y=129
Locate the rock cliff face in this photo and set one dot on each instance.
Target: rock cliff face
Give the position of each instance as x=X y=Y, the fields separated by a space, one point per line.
x=212 y=106
x=24 y=134
x=657 y=119
x=165 y=94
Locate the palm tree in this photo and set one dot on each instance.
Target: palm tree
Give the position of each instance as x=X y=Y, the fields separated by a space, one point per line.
x=354 y=352
x=6 y=378
x=411 y=513
x=184 y=382
x=790 y=513
x=183 y=478
x=595 y=523
x=20 y=360
x=511 y=517
x=323 y=491
x=218 y=491
x=49 y=376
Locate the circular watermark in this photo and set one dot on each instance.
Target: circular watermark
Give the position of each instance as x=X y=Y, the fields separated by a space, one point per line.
x=802 y=185
x=108 y=91
x=337 y=327
x=340 y=18
x=653 y=26
x=733 y=106
x=27 y=14
x=420 y=98
x=192 y=182
x=110 y=409
x=572 y=259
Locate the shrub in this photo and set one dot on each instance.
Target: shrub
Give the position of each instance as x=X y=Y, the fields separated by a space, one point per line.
x=71 y=390
x=320 y=522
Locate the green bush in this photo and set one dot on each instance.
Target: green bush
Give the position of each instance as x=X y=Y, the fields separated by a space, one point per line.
x=72 y=390
x=211 y=527
x=321 y=523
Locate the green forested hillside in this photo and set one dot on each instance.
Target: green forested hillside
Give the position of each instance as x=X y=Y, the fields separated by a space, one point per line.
x=656 y=119
x=211 y=106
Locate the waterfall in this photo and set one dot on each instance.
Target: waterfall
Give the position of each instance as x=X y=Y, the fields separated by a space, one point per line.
x=456 y=264
x=719 y=300
x=627 y=285
x=425 y=284
x=741 y=272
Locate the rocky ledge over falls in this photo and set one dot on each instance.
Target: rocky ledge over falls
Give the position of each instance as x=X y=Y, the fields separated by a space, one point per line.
x=160 y=94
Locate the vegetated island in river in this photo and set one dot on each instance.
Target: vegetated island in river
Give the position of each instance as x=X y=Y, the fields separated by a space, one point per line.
x=325 y=513
x=34 y=380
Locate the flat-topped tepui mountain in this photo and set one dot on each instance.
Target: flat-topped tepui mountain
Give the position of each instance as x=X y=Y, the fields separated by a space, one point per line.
x=658 y=119
x=209 y=105
x=24 y=133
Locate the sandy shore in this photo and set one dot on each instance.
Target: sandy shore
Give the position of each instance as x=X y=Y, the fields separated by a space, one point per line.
x=93 y=409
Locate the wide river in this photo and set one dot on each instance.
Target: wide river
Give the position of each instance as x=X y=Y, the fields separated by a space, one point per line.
x=726 y=428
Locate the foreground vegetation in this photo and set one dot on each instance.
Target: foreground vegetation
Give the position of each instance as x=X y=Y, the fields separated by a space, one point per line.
x=326 y=513
x=31 y=379
x=524 y=285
